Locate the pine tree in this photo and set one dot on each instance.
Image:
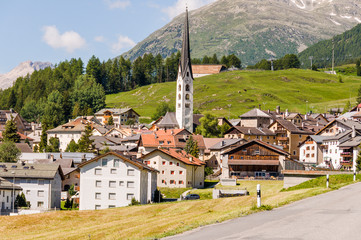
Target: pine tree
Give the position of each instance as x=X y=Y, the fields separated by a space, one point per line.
x=192 y=147
x=110 y=120
x=85 y=144
x=72 y=146
x=11 y=132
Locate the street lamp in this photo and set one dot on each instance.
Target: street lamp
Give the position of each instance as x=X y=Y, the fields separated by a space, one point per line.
x=13 y=173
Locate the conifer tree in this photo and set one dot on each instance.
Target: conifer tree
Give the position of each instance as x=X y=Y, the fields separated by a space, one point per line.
x=192 y=147
x=11 y=132
x=85 y=144
x=110 y=120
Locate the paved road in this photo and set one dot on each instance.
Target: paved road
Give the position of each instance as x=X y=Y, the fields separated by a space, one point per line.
x=334 y=215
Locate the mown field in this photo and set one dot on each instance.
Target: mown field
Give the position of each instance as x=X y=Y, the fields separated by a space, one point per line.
x=155 y=220
x=234 y=93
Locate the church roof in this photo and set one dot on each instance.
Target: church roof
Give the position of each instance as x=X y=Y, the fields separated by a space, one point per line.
x=185 y=60
x=255 y=113
x=169 y=121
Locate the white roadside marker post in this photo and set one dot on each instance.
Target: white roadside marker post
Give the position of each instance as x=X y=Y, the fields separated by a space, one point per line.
x=354 y=174
x=258 y=195
x=328 y=179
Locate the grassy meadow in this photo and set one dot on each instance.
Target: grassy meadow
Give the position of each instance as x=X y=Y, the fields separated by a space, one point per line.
x=153 y=220
x=234 y=93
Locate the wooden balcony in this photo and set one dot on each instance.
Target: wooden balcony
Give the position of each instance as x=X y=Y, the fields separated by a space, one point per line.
x=251 y=157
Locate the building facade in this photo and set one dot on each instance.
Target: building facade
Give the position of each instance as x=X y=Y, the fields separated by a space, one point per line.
x=113 y=180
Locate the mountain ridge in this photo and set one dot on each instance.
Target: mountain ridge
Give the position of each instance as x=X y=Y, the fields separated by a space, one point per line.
x=253 y=30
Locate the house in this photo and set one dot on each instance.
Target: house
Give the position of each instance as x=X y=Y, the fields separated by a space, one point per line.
x=7 y=192
x=201 y=70
x=219 y=148
x=177 y=169
x=174 y=138
x=113 y=180
x=120 y=116
x=40 y=183
x=21 y=125
x=119 y=132
x=337 y=126
x=251 y=133
x=289 y=136
x=254 y=159
x=256 y=118
x=311 y=150
x=72 y=130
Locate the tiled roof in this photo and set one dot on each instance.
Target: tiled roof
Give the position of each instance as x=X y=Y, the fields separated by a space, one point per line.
x=45 y=171
x=255 y=113
x=291 y=127
x=269 y=146
x=169 y=121
x=254 y=131
x=225 y=143
x=115 y=111
x=6 y=185
x=181 y=155
x=207 y=68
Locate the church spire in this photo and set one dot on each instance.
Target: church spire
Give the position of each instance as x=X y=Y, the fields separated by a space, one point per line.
x=185 y=60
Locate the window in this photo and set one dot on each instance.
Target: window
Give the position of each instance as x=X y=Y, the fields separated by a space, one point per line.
x=111 y=206
x=312 y=155
x=98 y=171
x=111 y=196
x=307 y=148
x=178 y=164
x=300 y=136
x=172 y=172
x=163 y=163
x=180 y=182
x=180 y=172
x=163 y=181
x=154 y=163
x=171 y=163
x=98 y=183
x=112 y=184
x=187 y=87
x=180 y=87
x=172 y=182
x=113 y=171
x=187 y=96
x=97 y=207
x=40 y=204
x=179 y=96
x=187 y=105
x=121 y=183
x=41 y=182
x=98 y=195
x=104 y=162
x=130 y=184
x=130 y=172
x=27 y=192
x=162 y=171
x=40 y=193
x=130 y=196
x=294 y=152
x=116 y=163
x=161 y=142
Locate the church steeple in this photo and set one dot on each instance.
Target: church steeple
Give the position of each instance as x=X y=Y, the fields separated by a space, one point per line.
x=185 y=60
x=184 y=103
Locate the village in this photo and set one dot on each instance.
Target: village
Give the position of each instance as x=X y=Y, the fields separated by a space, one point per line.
x=129 y=163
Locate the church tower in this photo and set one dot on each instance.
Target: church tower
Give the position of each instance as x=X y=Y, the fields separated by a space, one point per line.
x=184 y=102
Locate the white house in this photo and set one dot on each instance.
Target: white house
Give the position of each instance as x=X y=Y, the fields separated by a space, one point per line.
x=6 y=195
x=331 y=150
x=177 y=169
x=113 y=180
x=120 y=116
x=311 y=152
x=41 y=183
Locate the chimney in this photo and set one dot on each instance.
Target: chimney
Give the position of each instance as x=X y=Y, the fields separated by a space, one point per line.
x=259 y=106
x=172 y=132
x=83 y=159
x=249 y=131
x=306 y=116
x=155 y=135
x=353 y=131
x=286 y=113
x=190 y=159
x=278 y=109
x=269 y=111
x=223 y=143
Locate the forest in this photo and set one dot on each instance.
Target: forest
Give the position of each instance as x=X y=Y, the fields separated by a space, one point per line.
x=52 y=96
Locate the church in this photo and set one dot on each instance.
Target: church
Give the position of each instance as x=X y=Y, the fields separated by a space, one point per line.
x=183 y=117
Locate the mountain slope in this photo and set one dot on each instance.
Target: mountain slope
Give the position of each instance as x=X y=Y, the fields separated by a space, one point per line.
x=254 y=30
x=234 y=93
x=24 y=68
x=347 y=47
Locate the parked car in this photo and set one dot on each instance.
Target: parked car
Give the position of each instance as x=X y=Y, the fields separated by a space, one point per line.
x=191 y=197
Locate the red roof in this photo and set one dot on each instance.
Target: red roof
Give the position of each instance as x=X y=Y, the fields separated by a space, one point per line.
x=180 y=155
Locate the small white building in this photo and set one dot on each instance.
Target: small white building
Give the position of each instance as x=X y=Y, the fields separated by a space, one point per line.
x=113 y=180
x=177 y=169
x=6 y=195
x=311 y=152
x=120 y=116
x=40 y=183
x=331 y=150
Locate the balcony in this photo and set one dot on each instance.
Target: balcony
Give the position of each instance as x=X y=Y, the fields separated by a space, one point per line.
x=346 y=154
x=281 y=131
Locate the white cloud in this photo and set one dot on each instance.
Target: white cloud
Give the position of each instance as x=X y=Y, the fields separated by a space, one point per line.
x=122 y=43
x=99 y=39
x=180 y=6
x=69 y=40
x=112 y=4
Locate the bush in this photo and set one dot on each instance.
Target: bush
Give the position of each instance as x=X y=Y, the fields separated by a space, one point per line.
x=134 y=202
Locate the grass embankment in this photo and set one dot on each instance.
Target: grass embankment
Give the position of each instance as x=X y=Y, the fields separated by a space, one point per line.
x=233 y=93
x=151 y=221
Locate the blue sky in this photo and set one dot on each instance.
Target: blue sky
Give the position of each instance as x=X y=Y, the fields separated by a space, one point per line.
x=53 y=31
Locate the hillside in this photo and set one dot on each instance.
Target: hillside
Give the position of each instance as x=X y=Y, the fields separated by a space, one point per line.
x=254 y=30
x=24 y=68
x=347 y=47
x=233 y=93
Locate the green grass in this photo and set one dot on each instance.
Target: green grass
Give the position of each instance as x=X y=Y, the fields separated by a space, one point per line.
x=233 y=93
x=335 y=182
x=173 y=192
